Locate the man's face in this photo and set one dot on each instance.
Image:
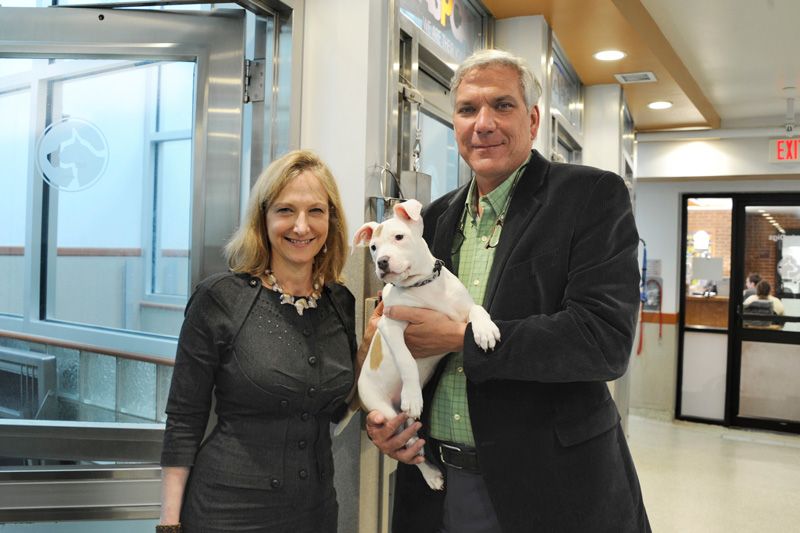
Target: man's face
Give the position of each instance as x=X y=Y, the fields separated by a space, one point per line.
x=494 y=130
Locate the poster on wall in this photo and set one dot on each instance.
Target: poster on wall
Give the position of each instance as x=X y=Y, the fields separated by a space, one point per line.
x=652 y=293
x=788 y=266
x=454 y=25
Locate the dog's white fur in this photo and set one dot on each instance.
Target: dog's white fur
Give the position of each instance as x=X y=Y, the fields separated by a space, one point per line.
x=402 y=258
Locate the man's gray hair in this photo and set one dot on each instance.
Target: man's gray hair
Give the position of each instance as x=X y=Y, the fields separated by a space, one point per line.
x=531 y=88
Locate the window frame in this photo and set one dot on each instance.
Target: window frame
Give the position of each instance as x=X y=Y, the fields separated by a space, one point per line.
x=209 y=151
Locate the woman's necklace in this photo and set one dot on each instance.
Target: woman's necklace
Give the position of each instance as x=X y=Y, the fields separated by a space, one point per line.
x=299 y=302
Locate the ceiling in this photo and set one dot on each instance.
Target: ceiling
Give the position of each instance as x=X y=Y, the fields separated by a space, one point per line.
x=722 y=63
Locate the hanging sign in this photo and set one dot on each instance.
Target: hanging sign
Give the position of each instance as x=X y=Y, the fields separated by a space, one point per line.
x=784 y=150
x=454 y=25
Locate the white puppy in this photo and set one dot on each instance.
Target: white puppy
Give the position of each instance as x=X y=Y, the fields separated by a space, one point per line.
x=414 y=278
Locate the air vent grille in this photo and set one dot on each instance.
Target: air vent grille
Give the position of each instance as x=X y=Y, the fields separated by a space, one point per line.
x=636 y=77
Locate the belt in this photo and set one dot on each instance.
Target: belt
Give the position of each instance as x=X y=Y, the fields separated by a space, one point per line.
x=456 y=455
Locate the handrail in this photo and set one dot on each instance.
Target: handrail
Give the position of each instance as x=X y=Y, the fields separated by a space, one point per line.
x=79 y=493
x=81 y=441
x=133 y=356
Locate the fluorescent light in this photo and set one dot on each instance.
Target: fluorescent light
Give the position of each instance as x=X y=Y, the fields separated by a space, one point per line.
x=609 y=55
x=661 y=104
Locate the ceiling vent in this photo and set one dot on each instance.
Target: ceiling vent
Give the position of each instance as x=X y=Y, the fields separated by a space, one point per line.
x=636 y=77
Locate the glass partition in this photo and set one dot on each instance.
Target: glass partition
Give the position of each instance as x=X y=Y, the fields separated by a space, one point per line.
x=118 y=190
x=708 y=262
x=15 y=106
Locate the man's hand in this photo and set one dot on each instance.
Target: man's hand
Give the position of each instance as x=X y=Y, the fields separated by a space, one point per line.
x=429 y=332
x=383 y=434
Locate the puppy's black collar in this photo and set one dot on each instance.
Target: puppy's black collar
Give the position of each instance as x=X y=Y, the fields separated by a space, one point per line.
x=437 y=269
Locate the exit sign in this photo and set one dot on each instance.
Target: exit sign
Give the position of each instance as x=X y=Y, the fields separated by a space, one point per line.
x=784 y=150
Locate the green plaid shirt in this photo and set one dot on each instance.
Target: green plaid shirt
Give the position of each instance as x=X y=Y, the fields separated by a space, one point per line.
x=473 y=261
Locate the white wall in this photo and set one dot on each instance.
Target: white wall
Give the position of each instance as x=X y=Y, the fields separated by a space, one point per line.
x=711 y=157
x=658 y=217
x=529 y=38
x=602 y=135
x=339 y=78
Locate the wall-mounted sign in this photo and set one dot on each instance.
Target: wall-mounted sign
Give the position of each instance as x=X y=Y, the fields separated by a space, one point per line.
x=454 y=25
x=784 y=150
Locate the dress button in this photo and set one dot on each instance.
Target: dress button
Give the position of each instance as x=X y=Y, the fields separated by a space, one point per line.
x=275 y=483
x=460 y=369
x=253 y=282
x=304 y=416
x=456 y=417
x=312 y=392
x=312 y=360
x=302 y=473
x=484 y=238
x=476 y=282
x=302 y=444
x=284 y=403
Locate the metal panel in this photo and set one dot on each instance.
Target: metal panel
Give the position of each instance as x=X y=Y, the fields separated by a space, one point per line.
x=216 y=43
x=62 y=493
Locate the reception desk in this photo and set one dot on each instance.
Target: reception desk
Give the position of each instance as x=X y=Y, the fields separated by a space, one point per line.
x=709 y=312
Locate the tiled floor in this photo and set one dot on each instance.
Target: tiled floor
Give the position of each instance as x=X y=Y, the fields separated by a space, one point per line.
x=708 y=479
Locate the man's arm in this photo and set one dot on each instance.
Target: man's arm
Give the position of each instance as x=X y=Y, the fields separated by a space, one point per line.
x=589 y=338
x=429 y=332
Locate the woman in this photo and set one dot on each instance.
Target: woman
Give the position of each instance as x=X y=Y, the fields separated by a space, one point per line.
x=763 y=289
x=275 y=339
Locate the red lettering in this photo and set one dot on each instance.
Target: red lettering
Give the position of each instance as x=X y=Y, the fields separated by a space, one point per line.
x=791 y=150
x=780 y=147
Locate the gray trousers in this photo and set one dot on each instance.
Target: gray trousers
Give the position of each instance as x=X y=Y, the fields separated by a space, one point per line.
x=467 y=507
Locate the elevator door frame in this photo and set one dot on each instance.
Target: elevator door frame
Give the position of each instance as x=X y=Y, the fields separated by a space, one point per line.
x=216 y=44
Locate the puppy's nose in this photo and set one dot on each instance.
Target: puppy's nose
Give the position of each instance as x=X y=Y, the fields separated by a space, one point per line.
x=383 y=263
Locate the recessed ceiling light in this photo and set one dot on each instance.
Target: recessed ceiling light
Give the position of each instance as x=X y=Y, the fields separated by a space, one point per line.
x=661 y=104
x=609 y=55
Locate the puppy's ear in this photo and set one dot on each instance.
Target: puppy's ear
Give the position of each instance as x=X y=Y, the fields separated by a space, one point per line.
x=364 y=234
x=409 y=210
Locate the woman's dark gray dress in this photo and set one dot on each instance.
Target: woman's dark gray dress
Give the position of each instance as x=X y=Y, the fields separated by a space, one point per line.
x=279 y=380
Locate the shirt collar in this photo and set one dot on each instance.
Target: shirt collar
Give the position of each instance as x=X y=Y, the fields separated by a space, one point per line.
x=498 y=197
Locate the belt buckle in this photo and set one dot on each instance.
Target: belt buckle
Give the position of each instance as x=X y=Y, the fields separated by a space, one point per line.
x=449 y=447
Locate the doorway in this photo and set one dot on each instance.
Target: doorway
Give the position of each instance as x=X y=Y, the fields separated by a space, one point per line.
x=739 y=337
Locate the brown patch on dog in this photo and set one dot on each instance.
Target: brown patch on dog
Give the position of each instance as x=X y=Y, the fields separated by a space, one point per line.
x=376 y=353
x=377 y=232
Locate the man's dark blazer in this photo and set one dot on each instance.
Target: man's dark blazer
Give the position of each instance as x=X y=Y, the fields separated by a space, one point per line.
x=563 y=289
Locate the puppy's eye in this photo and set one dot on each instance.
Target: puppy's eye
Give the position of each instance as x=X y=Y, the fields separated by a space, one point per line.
x=373 y=247
x=398 y=237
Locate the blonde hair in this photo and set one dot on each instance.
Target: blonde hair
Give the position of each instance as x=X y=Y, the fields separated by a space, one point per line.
x=248 y=249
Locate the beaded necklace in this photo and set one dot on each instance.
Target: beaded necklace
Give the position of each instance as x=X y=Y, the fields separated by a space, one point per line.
x=300 y=303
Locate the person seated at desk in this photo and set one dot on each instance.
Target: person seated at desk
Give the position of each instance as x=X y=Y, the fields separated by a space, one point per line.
x=762 y=303
x=750 y=285
x=763 y=289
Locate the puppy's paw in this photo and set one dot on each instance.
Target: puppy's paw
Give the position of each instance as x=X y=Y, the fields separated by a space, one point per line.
x=433 y=477
x=411 y=401
x=486 y=334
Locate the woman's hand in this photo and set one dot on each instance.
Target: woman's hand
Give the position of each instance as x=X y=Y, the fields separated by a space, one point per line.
x=383 y=433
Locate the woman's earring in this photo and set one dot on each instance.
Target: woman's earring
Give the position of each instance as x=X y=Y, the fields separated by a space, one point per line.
x=325 y=248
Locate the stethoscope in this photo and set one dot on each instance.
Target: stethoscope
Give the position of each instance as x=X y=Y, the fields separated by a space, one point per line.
x=494 y=237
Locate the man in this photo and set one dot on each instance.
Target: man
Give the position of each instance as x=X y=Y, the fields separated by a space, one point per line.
x=527 y=435
x=750 y=285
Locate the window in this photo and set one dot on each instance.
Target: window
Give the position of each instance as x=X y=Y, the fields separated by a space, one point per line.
x=116 y=202
x=14 y=146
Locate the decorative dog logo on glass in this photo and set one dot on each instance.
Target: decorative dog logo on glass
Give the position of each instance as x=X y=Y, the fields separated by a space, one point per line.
x=72 y=154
